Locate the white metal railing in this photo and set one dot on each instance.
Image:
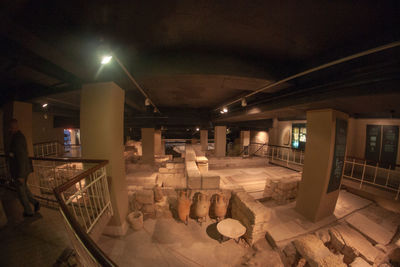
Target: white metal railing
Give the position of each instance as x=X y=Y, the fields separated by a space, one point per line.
x=384 y=178
x=48 y=174
x=285 y=155
x=45 y=149
x=89 y=198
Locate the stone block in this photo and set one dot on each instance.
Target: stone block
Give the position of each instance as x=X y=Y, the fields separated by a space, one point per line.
x=316 y=253
x=370 y=229
x=145 y=196
x=203 y=168
x=359 y=262
x=210 y=182
x=352 y=244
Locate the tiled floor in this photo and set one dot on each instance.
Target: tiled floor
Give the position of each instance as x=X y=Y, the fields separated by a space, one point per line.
x=36 y=241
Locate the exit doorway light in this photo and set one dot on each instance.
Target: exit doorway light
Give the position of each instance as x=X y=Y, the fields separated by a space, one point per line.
x=106 y=59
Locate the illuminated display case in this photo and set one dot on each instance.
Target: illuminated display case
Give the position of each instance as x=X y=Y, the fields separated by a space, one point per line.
x=299 y=136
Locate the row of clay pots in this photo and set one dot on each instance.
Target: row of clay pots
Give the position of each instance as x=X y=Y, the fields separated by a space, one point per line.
x=201 y=206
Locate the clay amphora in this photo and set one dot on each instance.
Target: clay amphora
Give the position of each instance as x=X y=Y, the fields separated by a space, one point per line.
x=183 y=207
x=220 y=206
x=158 y=194
x=202 y=206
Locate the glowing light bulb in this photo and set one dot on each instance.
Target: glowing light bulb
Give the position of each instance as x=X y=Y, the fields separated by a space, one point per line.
x=106 y=59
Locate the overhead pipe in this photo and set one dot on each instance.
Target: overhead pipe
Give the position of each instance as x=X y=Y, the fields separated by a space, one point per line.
x=135 y=83
x=323 y=66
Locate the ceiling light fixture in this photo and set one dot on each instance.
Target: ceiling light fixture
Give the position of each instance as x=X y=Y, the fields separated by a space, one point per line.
x=197 y=129
x=225 y=109
x=44 y=105
x=244 y=102
x=147 y=102
x=106 y=59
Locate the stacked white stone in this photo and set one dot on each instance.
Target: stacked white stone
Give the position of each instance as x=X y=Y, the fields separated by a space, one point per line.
x=252 y=214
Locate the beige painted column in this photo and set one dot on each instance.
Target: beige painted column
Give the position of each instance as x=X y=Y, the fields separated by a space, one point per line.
x=220 y=141
x=148 y=145
x=323 y=163
x=244 y=139
x=273 y=132
x=23 y=113
x=102 y=133
x=157 y=143
x=204 y=140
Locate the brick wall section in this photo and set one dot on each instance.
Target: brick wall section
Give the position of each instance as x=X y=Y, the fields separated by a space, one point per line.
x=252 y=214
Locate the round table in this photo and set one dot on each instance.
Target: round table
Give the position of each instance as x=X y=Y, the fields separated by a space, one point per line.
x=230 y=228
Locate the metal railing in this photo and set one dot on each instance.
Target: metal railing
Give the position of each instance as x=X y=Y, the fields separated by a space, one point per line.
x=45 y=149
x=365 y=173
x=83 y=201
x=285 y=155
x=80 y=189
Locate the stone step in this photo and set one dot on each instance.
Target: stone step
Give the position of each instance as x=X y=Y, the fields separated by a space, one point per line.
x=370 y=229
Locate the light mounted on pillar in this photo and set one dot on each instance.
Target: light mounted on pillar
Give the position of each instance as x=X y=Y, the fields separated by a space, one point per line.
x=244 y=102
x=106 y=59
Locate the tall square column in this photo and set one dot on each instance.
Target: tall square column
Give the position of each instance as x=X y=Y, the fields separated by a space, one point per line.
x=323 y=163
x=220 y=141
x=244 y=141
x=157 y=143
x=148 y=145
x=102 y=134
x=204 y=140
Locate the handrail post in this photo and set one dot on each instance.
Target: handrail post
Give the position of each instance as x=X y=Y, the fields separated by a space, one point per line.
x=362 y=177
x=387 y=178
x=376 y=171
x=352 y=167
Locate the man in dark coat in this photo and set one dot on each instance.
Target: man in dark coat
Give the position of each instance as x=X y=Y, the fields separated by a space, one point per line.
x=20 y=168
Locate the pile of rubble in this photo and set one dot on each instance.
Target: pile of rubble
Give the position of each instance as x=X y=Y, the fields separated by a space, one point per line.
x=342 y=245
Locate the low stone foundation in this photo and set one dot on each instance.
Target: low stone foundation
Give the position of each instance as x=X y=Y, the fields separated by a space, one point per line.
x=172 y=175
x=252 y=214
x=283 y=189
x=236 y=162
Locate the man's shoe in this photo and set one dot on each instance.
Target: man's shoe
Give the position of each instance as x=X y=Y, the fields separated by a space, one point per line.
x=28 y=214
x=37 y=206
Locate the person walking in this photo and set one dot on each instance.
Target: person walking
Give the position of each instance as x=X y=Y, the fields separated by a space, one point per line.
x=20 y=168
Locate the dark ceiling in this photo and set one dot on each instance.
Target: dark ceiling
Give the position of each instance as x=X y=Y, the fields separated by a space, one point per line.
x=198 y=55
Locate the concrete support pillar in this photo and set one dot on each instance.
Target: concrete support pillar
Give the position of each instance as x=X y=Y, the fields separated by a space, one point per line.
x=102 y=133
x=204 y=140
x=23 y=113
x=273 y=132
x=220 y=141
x=148 y=145
x=323 y=163
x=157 y=143
x=244 y=141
